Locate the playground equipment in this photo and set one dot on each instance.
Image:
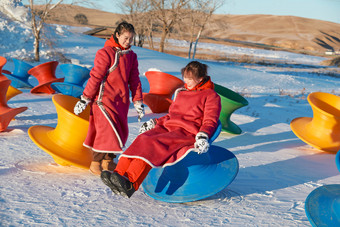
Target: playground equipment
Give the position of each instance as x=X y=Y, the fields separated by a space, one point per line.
x=323 y=130
x=337 y=160
x=322 y=206
x=45 y=74
x=65 y=142
x=162 y=87
x=20 y=75
x=11 y=91
x=75 y=77
x=230 y=102
x=2 y=63
x=6 y=113
x=195 y=177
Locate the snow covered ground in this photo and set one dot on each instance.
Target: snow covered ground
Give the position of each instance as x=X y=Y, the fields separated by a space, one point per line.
x=277 y=170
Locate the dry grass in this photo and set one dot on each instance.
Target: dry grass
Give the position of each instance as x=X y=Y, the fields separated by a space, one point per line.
x=299 y=95
x=335 y=61
x=332 y=62
x=289 y=33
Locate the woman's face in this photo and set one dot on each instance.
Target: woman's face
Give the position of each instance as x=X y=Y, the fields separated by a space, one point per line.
x=190 y=80
x=125 y=39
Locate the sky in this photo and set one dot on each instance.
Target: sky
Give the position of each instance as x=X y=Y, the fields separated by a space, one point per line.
x=317 y=9
x=327 y=10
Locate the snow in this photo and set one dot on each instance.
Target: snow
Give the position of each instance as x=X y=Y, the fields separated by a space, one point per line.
x=242 y=51
x=277 y=170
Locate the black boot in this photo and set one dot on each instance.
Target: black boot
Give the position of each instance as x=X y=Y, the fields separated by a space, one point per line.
x=105 y=176
x=124 y=186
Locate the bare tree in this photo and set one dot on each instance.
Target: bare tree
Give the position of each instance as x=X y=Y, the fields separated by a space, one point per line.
x=146 y=15
x=39 y=17
x=137 y=12
x=200 y=13
x=168 y=12
x=80 y=18
x=150 y=24
x=38 y=20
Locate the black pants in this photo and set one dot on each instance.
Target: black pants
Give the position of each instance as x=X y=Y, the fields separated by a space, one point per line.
x=98 y=156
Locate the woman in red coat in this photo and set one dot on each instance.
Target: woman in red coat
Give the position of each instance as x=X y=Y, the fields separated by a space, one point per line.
x=114 y=74
x=191 y=121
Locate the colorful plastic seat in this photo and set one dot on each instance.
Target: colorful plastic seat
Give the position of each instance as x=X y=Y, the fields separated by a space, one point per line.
x=195 y=177
x=230 y=102
x=45 y=74
x=75 y=76
x=65 y=142
x=3 y=61
x=11 y=91
x=157 y=103
x=162 y=87
x=7 y=113
x=322 y=131
x=337 y=160
x=20 y=75
x=322 y=206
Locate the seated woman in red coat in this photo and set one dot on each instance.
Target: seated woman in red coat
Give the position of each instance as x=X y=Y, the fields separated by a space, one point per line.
x=191 y=121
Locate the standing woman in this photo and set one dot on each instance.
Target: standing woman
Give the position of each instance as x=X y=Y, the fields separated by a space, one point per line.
x=114 y=75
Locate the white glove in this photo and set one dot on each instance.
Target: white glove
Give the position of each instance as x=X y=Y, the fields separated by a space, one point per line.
x=140 y=109
x=146 y=126
x=81 y=105
x=201 y=145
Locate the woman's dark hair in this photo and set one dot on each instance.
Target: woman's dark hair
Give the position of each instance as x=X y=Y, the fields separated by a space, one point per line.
x=121 y=28
x=197 y=69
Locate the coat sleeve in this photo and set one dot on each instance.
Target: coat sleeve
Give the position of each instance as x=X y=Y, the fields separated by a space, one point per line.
x=134 y=81
x=212 y=110
x=102 y=63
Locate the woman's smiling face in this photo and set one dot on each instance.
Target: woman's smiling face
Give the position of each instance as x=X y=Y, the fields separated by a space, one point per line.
x=190 y=80
x=125 y=39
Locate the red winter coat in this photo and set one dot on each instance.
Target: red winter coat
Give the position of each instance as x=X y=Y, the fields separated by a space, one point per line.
x=109 y=93
x=174 y=134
